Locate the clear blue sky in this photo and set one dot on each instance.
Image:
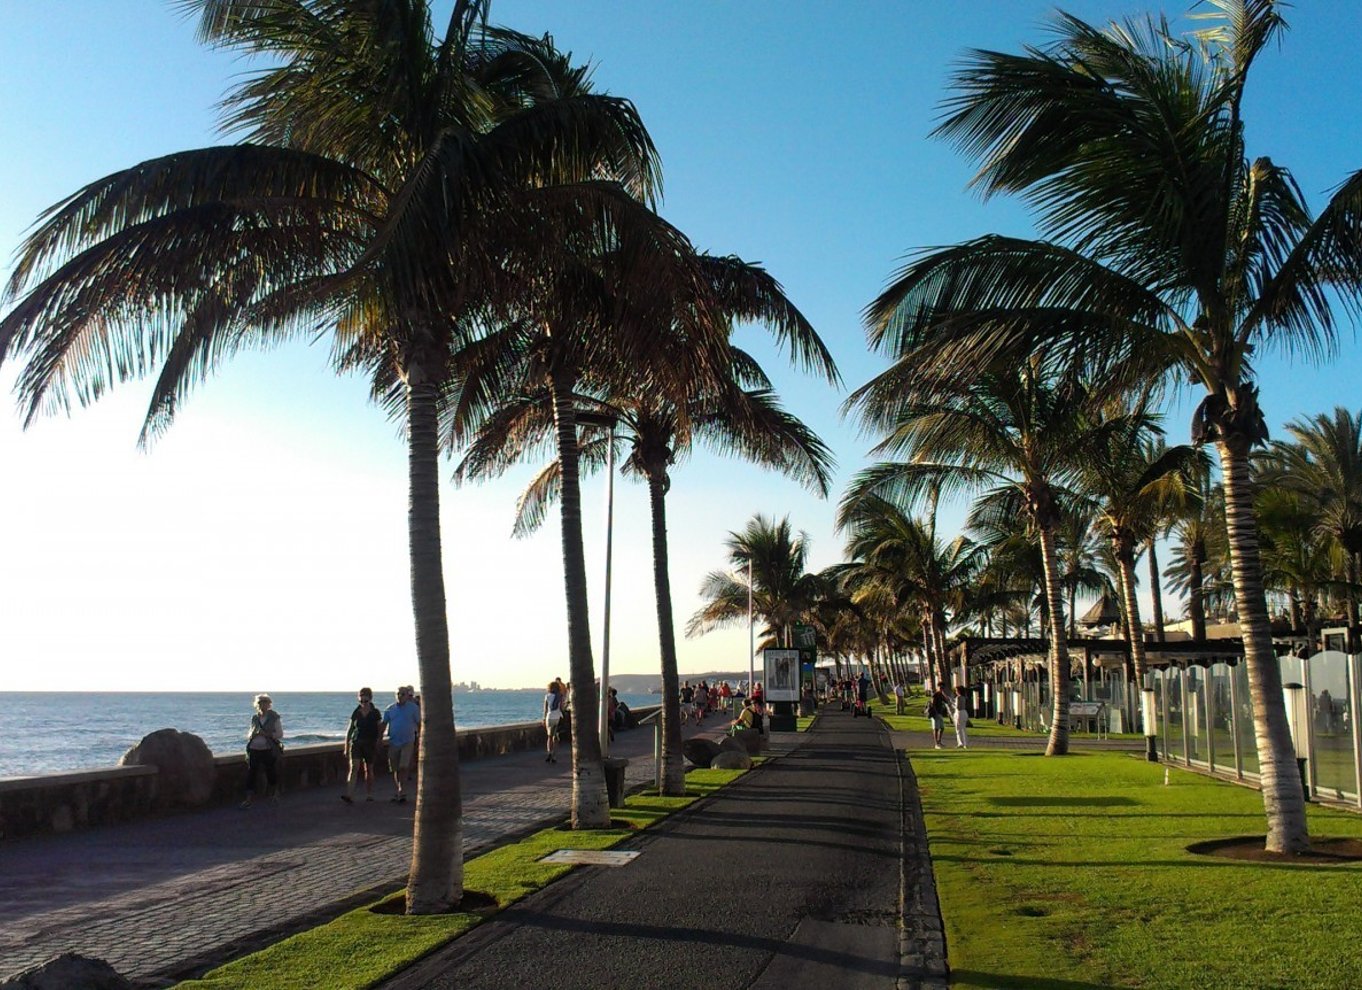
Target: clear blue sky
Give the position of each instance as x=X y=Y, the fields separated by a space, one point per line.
x=262 y=543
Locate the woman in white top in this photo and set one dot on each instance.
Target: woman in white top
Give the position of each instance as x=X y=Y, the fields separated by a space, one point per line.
x=960 y=715
x=553 y=714
x=263 y=747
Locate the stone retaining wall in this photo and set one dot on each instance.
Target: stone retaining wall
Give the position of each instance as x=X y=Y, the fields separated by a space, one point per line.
x=61 y=802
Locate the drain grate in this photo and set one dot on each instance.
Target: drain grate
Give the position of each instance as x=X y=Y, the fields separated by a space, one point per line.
x=591 y=857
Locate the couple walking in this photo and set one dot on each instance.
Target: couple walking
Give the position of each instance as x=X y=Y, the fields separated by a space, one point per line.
x=402 y=720
x=940 y=708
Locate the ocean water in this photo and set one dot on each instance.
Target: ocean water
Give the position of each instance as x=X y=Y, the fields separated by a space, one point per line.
x=54 y=731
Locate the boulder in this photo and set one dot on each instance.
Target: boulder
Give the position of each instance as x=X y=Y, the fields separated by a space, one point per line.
x=732 y=744
x=700 y=752
x=69 y=971
x=187 y=775
x=730 y=760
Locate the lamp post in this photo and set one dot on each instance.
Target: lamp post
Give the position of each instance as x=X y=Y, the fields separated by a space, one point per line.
x=1295 y=711
x=604 y=720
x=751 y=636
x=1151 y=732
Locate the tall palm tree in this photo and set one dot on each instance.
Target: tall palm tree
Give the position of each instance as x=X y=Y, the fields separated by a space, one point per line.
x=1323 y=464
x=658 y=433
x=1134 y=483
x=1165 y=248
x=380 y=194
x=1016 y=436
x=783 y=591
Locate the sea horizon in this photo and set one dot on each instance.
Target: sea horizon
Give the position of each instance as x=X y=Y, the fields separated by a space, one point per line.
x=64 y=731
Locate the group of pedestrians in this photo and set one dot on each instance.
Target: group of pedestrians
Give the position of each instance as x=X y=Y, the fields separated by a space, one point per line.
x=401 y=721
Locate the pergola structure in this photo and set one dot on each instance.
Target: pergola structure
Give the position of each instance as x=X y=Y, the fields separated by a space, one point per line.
x=1011 y=660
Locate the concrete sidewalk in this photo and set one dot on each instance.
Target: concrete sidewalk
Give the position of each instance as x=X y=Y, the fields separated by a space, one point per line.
x=790 y=878
x=167 y=897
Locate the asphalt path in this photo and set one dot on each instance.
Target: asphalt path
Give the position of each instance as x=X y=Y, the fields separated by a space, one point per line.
x=788 y=878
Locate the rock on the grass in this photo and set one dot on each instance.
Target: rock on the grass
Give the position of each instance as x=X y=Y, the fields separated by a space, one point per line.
x=732 y=744
x=700 y=752
x=187 y=775
x=732 y=760
x=69 y=972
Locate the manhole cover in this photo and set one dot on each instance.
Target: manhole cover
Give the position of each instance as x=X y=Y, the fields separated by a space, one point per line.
x=590 y=857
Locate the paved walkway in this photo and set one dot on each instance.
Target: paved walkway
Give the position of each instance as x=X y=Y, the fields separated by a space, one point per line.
x=790 y=878
x=168 y=896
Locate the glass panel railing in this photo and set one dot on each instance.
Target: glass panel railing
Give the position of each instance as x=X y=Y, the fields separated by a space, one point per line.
x=1219 y=693
x=1243 y=719
x=1331 y=744
x=1175 y=713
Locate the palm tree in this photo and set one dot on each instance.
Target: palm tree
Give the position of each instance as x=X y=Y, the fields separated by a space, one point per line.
x=1076 y=541
x=1199 y=568
x=899 y=568
x=1016 y=436
x=381 y=193
x=1134 y=482
x=748 y=423
x=1323 y=464
x=783 y=591
x=1165 y=248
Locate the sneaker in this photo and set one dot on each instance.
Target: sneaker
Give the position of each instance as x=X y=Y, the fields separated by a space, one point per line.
x=394 y=799
x=938 y=745
x=370 y=798
x=246 y=804
x=347 y=799
x=401 y=799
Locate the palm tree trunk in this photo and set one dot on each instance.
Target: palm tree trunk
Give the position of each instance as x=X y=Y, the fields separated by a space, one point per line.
x=1058 y=744
x=1197 y=595
x=1125 y=558
x=590 y=805
x=435 y=882
x=1283 y=798
x=1351 y=603
x=1156 y=589
x=939 y=630
x=673 y=761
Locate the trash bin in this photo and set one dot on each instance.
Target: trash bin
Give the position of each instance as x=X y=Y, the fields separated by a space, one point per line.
x=614 y=780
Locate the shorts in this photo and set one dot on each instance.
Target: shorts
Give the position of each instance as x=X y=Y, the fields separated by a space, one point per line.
x=399 y=757
x=552 y=719
x=938 y=723
x=363 y=751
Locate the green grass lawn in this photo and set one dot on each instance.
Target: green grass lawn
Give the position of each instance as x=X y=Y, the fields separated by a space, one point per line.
x=915 y=721
x=1072 y=873
x=362 y=948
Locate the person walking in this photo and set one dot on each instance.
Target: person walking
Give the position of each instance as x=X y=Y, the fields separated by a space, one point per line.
x=361 y=744
x=401 y=720
x=898 y=697
x=937 y=709
x=960 y=715
x=264 y=743
x=553 y=714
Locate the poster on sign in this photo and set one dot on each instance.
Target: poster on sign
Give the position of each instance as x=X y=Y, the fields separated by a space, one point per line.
x=782 y=674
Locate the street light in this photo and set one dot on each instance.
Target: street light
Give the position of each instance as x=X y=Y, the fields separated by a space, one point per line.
x=1151 y=732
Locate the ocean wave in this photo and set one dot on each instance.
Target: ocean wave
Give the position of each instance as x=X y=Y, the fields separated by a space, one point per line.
x=314 y=737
